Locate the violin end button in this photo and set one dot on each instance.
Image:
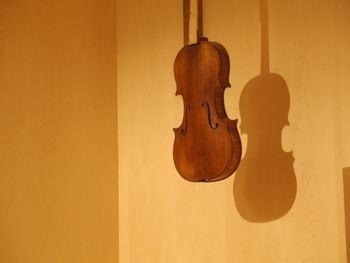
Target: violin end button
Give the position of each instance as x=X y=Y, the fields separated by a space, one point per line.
x=203 y=180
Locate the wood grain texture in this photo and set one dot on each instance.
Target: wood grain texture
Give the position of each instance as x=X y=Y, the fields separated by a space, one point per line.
x=58 y=181
x=191 y=19
x=207 y=145
x=165 y=219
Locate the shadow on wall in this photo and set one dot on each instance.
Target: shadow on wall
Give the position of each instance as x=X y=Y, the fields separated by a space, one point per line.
x=346 y=183
x=265 y=184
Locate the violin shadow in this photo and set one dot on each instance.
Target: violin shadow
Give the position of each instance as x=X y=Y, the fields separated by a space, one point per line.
x=265 y=183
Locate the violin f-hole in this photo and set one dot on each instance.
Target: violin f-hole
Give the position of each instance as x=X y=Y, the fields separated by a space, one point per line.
x=209 y=116
x=183 y=131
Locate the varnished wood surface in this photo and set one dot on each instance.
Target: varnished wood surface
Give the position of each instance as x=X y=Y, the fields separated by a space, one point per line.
x=58 y=165
x=192 y=21
x=164 y=218
x=207 y=145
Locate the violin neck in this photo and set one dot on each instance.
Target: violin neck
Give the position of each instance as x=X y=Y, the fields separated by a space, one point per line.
x=193 y=21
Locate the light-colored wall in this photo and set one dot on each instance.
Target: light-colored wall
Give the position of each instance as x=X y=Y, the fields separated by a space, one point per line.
x=166 y=219
x=58 y=165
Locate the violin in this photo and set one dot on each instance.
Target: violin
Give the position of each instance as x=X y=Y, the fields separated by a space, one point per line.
x=207 y=144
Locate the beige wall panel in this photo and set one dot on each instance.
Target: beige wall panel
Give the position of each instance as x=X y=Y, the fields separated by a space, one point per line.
x=58 y=171
x=266 y=219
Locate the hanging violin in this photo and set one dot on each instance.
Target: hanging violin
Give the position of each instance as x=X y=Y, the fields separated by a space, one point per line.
x=207 y=145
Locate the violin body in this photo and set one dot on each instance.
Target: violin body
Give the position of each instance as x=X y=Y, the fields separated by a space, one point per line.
x=207 y=145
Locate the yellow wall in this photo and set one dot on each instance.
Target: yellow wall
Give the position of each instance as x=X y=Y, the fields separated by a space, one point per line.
x=166 y=219
x=58 y=165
